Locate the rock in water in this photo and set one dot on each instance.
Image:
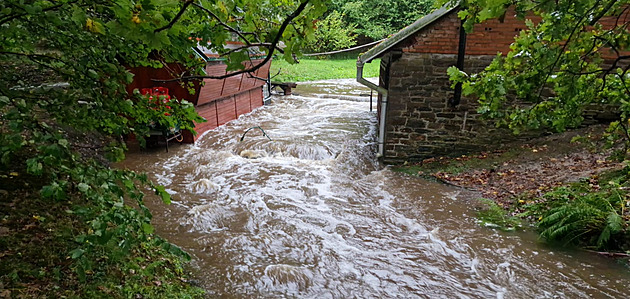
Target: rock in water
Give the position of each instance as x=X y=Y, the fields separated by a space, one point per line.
x=250 y=154
x=204 y=186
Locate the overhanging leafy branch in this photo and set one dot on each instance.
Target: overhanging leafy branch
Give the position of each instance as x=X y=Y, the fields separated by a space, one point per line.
x=271 y=47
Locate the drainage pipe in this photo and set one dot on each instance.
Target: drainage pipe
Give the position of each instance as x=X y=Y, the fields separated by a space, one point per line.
x=461 y=56
x=383 y=92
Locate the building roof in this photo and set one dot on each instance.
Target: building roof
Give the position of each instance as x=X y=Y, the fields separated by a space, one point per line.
x=203 y=51
x=406 y=32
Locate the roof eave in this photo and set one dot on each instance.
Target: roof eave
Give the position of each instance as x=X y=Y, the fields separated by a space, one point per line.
x=406 y=32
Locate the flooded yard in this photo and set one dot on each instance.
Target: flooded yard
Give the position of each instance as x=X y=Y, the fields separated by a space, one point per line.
x=311 y=214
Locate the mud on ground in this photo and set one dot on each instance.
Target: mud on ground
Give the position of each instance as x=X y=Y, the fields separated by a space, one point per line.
x=526 y=169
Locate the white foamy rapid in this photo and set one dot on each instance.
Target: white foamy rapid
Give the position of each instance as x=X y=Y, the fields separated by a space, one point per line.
x=310 y=214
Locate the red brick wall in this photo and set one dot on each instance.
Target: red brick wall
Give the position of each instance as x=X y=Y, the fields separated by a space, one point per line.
x=442 y=37
x=488 y=38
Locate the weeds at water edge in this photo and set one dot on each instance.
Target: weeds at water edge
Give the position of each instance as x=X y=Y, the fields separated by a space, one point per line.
x=494 y=216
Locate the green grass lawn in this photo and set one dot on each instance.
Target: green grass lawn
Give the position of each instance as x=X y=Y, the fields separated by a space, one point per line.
x=311 y=69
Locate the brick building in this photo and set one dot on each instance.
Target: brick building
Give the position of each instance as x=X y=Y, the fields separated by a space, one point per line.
x=420 y=114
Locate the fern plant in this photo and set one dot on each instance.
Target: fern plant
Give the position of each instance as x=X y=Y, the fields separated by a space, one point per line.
x=495 y=216
x=587 y=218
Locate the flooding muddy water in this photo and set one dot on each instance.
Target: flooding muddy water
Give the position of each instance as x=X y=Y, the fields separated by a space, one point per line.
x=311 y=214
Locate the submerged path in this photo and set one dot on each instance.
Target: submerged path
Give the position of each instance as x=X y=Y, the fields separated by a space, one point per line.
x=314 y=216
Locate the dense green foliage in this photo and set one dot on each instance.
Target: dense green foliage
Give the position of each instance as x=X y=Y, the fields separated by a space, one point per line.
x=320 y=69
x=332 y=33
x=40 y=257
x=348 y=19
x=556 y=67
x=54 y=133
x=378 y=19
x=592 y=213
x=492 y=215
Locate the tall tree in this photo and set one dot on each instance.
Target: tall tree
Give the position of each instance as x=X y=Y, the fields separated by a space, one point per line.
x=332 y=34
x=377 y=19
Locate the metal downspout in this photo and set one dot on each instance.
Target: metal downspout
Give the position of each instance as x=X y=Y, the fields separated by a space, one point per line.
x=383 y=92
x=461 y=56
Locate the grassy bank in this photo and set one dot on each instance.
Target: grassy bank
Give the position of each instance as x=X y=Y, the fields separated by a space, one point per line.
x=569 y=193
x=311 y=69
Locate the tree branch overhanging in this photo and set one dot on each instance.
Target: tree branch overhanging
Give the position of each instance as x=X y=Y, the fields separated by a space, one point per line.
x=272 y=47
x=622 y=77
x=603 y=12
x=266 y=45
x=15 y=16
x=579 y=24
x=607 y=70
x=176 y=18
x=225 y=25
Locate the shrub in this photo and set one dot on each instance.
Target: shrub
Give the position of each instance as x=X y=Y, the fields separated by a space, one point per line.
x=493 y=215
x=593 y=219
x=332 y=34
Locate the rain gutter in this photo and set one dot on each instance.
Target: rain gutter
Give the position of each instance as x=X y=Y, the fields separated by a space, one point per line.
x=461 y=55
x=383 y=92
x=385 y=46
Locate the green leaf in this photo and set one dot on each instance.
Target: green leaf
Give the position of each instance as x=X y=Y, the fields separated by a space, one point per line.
x=161 y=191
x=94 y=26
x=33 y=166
x=93 y=74
x=78 y=16
x=175 y=250
x=32 y=9
x=83 y=187
x=147 y=228
x=4 y=101
x=81 y=273
x=49 y=191
x=74 y=254
x=63 y=142
x=129 y=184
x=615 y=222
x=235 y=60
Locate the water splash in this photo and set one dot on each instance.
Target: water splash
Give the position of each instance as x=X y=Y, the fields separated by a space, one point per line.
x=315 y=216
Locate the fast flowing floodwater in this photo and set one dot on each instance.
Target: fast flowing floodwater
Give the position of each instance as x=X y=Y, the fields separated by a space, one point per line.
x=314 y=216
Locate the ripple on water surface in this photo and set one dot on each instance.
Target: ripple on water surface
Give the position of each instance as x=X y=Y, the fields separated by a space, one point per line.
x=311 y=214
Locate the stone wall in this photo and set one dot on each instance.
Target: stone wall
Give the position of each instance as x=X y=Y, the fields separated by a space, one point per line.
x=420 y=123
